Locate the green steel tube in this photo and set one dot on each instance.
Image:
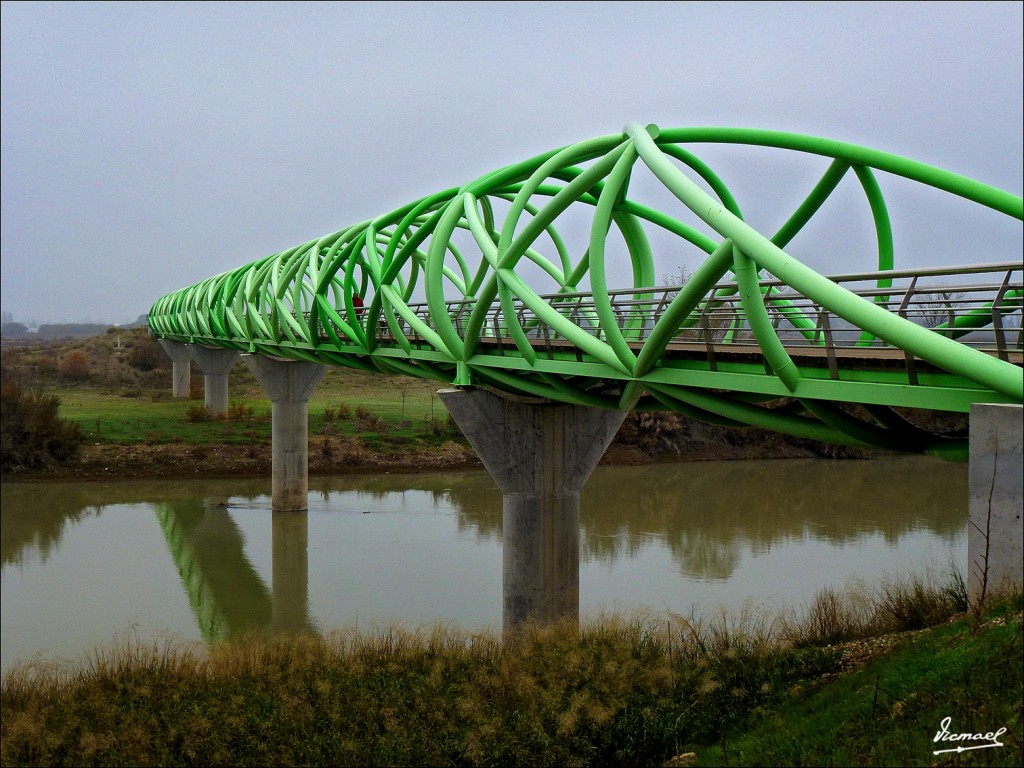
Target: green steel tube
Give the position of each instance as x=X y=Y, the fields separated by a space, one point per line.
x=929 y=346
x=598 y=281
x=814 y=200
x=989 y=196
x=682 y=304
x=753 y=304
x=302 y=303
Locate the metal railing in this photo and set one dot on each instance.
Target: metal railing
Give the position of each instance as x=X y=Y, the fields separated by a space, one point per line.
x=983 y=313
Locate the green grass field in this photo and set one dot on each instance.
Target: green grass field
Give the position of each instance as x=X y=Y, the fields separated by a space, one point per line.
x=345 y=403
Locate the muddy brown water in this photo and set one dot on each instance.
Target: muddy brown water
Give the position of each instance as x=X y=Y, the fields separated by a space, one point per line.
x=85 y=565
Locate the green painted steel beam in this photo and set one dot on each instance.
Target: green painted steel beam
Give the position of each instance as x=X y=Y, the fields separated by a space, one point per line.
x=470 y=255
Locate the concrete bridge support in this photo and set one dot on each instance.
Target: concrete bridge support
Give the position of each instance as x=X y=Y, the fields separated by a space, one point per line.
x=289 y=385
x=181 y=365
x=540 y=454
x=216 y=364
x=995 y=536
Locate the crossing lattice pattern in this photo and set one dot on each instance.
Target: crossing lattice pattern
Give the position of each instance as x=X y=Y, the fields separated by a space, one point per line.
x=446 y=288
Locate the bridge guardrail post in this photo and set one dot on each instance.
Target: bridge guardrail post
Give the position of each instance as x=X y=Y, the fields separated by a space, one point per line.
x=997 y=318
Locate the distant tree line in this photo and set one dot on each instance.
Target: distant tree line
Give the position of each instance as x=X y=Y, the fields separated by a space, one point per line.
x=49 y=331
x=55 y=330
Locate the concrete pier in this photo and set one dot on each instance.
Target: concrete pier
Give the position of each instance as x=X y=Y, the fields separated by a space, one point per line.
x=181 y=365
x=995 y=535
x=216 y=364
x=540 y=454
x=288 y=384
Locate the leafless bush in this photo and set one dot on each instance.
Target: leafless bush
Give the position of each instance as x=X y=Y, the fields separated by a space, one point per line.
x=198 y=413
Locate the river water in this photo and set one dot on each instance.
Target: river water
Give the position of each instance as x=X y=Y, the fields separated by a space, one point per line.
x=88 y=564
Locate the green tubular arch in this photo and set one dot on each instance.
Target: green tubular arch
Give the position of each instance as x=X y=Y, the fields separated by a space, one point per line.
x=509 y=249
x=942 y=352
x=598 y=283
x=985 y=194
x=300 y=303
x=883 y=227
x=814 y=200
x=753 y=304
x=682 y=304
x=704 y=171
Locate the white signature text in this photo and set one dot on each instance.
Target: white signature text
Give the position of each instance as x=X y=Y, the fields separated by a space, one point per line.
x=945 y=735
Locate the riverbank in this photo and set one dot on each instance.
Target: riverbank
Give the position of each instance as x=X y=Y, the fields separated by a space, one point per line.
x=339 y=455
x=739 y=691
x=383 y=430
x=358 y=422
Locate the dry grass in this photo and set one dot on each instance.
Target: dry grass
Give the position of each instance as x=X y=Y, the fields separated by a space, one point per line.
x=616 y=690
x=897 y=605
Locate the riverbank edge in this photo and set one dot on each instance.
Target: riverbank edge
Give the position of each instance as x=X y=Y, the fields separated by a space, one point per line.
x=221 y=461
x=619 y=691
x=183 y=461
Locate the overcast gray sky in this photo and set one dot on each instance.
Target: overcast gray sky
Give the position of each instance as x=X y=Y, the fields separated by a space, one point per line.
x=148 y=146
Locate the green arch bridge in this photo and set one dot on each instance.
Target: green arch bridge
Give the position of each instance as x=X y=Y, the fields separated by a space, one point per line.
x=479 y=285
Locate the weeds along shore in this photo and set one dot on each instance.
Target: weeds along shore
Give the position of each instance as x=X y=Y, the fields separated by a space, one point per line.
x=857 y=680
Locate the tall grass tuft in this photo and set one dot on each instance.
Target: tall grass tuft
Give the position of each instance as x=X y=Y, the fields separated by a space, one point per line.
x=616 y=690
x=897 y=605
x=918 y=602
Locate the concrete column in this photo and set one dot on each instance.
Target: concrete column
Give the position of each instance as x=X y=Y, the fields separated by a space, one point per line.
x=181 y=365
x=540 y=454
x=995 y=535
x=216 y=364
x=289 y=385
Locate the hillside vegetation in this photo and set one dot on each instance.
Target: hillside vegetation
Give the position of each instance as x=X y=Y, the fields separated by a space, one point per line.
x=116 y=388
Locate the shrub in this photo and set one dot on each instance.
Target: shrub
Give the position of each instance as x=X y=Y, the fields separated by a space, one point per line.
x=198 y=413
x=75 y=365
x=32 y=435
x=919 y=602
x=342 y=412
x=46 y=366
x=147 y=355
x=240 y=411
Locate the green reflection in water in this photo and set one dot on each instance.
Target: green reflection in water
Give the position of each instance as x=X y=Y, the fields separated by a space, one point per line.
x=706 y=514
x=227 y=595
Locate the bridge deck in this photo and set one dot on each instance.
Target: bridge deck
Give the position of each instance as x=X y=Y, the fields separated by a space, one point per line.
x=847 y=357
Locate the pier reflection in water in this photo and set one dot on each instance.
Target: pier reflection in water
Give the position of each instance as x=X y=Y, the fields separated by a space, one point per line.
x=227 y=596
x=208 y=560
